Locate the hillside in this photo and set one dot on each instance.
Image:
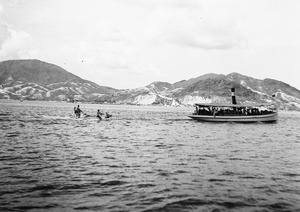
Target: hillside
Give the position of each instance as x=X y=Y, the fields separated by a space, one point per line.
x=210 y=88
x=248 y=89
x=185 y=83
x=34 y=79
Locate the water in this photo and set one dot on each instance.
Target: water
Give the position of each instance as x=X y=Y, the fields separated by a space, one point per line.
x=144 y=159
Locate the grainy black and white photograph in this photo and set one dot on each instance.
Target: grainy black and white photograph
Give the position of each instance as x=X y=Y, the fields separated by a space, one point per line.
x=150 y=105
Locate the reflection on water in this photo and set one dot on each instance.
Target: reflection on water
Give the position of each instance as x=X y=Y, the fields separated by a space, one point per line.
x=144 y=159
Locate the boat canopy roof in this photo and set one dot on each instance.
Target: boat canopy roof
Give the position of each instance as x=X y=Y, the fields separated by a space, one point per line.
x=232 y=105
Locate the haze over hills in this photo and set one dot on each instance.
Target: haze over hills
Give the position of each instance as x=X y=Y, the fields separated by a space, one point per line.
x=37 y=80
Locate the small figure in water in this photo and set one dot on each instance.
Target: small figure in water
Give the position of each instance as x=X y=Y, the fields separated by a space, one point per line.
x=78 y=111
x=75 y=112
x=107 y=116
x=99 y=114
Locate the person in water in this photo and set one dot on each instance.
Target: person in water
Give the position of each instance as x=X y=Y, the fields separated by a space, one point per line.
x=75 y=112
x=78 y=112
x=99 y=114
x=107 y=116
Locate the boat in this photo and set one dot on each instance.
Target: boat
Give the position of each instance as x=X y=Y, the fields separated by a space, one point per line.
x=244 y=113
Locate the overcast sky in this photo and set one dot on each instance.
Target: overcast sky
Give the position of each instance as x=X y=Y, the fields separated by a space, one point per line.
x=132 y=43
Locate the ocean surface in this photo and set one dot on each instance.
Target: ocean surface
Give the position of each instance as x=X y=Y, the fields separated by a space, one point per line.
x=144 y=159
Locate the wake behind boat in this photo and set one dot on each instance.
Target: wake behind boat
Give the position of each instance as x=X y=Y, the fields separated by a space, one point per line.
x=244 y=113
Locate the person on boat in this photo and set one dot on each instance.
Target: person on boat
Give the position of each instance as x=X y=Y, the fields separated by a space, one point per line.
x=78 y=111
x=197 y=111
x=99 y=114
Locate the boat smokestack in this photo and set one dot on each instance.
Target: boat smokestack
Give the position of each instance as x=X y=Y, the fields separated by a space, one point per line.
x=233 y=96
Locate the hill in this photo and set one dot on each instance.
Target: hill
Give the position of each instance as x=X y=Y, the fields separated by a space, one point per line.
x=211 y=88
x=34 y=79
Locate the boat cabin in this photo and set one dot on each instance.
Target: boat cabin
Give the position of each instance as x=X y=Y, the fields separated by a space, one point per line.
x=214 y=109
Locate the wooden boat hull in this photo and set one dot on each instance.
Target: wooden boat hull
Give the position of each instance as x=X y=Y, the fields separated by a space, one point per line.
x=273 y=117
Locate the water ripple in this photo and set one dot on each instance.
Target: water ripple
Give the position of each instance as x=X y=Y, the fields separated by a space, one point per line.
x=144 y=159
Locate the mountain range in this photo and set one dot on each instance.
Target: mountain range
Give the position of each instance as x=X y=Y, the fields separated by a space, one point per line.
x=38 y=80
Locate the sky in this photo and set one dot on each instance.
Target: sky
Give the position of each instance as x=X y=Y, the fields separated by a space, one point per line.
x=131 y=43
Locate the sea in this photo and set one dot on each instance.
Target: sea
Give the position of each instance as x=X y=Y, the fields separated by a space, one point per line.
x=145 y=159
